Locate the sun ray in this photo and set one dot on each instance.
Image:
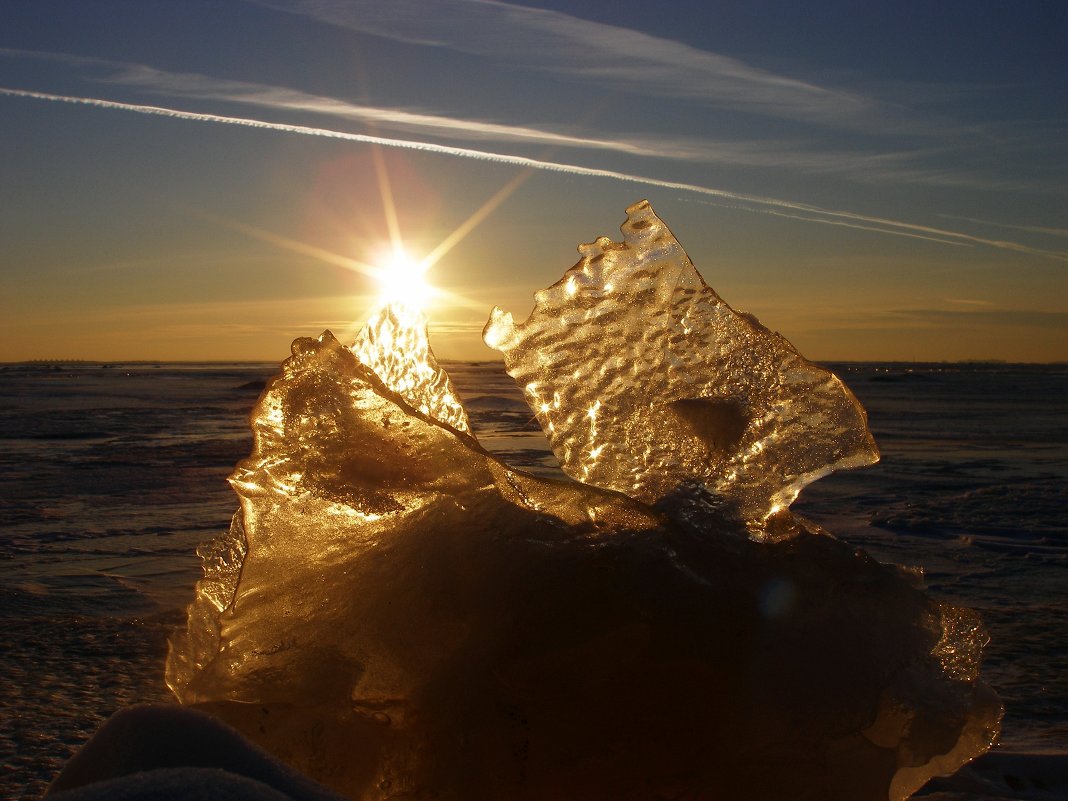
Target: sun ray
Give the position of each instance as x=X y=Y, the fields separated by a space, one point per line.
x=385 y=190
x=292 y=245
x=401 y=278
x=480 y=214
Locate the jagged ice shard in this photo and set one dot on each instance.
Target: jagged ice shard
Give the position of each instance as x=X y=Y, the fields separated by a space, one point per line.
x=394 y=344
x=643 y=379
x=400 y=615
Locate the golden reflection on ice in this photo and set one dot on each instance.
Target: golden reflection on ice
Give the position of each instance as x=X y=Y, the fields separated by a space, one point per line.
x=960 y=648
x=395 y=346
x=656 y=382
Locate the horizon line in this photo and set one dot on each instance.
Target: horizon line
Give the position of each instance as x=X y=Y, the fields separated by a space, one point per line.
x=45 y=362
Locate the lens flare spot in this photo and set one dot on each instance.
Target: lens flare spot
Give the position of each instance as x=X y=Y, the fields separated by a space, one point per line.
x=402 y=281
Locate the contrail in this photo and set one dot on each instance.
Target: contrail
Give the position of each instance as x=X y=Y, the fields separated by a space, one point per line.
x=864 y=227
x=848 y=219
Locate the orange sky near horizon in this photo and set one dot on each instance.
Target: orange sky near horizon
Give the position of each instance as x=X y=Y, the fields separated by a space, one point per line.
x=870 y=198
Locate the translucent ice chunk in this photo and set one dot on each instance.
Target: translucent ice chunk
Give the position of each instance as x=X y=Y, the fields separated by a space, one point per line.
x=399 y=615
x=395 y=345
x=643 y=378
x=342 y=465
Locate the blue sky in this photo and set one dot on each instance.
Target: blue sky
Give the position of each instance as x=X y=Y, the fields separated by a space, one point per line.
x=182 y=180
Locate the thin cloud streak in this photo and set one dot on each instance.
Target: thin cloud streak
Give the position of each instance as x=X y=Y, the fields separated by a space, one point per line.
x=888 y=226
x=860 y=167
x=995 y=243
x=866 y=228
x=201 y=87
x=628 y=59
x=1031 y=229
x=1027 y=318
x=876 y=167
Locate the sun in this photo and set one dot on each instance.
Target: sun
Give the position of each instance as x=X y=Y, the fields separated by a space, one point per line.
x=402 y=280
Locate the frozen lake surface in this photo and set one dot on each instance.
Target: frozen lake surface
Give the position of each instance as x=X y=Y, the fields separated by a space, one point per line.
x=112 y=475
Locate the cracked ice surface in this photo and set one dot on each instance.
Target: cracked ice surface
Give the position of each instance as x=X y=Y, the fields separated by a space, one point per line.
x=643 y=378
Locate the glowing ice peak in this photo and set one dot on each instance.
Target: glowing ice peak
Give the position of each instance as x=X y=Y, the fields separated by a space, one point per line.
x=644 y=379
x=394 y=344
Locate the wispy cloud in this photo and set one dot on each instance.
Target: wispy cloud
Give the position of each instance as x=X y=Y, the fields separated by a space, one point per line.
x=1026 y=318
x=945 y=236
x=902 y=318
x=903 y=167
x=1031 y=229
x=775 y=154
x=770 y=154
x=581 y=50
x=809 y=212
x=202 y=87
